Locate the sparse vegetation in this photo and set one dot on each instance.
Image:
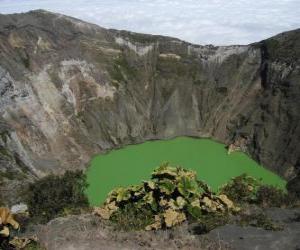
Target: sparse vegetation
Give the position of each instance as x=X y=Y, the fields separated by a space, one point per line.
x=122 y=70
x=174 y=195
x=284 y=49
x=259 y=220
x=34 y=246
x=139 y=37
x=269 y=196
x=131 y=217
x=54 y=196
x=210 y=221
x=172 y=67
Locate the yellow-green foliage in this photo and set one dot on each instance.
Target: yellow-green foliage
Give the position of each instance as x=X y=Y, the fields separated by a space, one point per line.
x=171 y=196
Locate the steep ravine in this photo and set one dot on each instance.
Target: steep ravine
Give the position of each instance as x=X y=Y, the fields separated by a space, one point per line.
x=70 y=90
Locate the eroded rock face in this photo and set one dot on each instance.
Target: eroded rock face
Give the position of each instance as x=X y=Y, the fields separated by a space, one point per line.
x=70 y=89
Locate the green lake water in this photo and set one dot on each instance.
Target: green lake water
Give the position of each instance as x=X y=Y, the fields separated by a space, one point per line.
x=134 y=163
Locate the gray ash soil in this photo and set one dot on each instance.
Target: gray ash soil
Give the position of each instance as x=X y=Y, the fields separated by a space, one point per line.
x=87 y=232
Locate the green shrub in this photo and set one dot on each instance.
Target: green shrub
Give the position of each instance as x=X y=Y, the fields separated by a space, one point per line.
x=269 y=196
x=241 y=189
x=54 y=196
x=246 y=189
x=171 y=197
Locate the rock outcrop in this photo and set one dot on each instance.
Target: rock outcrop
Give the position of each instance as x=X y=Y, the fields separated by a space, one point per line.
x=70 y=89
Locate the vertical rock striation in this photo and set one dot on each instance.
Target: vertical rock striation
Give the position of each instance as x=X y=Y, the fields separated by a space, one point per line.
x=69 y=90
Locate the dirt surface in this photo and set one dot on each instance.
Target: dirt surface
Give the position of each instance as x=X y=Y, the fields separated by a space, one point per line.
x=248 y=238
x=87 y=232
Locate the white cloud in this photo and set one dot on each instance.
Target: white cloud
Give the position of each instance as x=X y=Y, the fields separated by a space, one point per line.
x=197 y=21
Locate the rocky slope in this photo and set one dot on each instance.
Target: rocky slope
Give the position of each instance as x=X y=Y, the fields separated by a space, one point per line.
x=70 y=89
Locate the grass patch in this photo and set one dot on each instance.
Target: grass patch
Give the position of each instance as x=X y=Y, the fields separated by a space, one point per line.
x=132 y=217
x=208 y=222
x=259 y=220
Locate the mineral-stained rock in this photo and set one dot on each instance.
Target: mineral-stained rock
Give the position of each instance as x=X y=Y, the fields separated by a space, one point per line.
x=70 y=89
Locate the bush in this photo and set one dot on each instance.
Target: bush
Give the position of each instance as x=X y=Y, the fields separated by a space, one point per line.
x=246 y=189
x=172 y=196
x=241 y=189
x=54 y=196
x=269 y=196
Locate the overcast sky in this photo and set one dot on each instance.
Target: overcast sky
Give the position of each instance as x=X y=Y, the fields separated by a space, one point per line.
x=219 y=22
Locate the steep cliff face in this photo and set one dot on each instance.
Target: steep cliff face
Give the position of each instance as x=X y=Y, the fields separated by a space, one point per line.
x=69 y=90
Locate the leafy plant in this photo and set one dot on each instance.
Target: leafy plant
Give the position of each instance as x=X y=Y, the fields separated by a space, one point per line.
x=169 y=198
